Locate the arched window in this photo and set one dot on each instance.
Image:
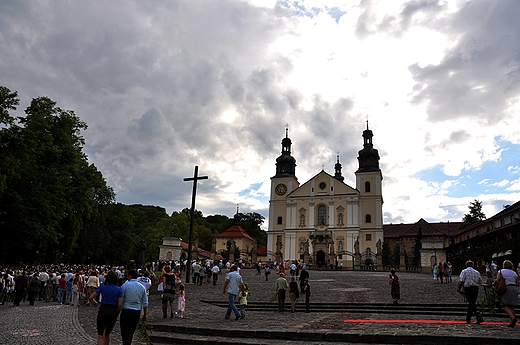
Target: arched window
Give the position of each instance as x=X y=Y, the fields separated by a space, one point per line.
x=368 y=218
x=279 y=220
x=322 y=215
x=367 y=187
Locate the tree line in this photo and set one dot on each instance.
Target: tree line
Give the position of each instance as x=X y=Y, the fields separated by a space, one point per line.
x=56 y=207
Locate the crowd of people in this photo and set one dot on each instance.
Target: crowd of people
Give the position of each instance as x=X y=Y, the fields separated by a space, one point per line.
x=123 y=291
x=470 y=280
x=119 y=291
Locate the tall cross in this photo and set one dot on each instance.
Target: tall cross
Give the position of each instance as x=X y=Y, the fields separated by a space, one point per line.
x=195 y=178
x=287 y=130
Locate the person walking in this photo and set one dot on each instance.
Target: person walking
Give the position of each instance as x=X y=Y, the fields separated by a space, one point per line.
x=168 y=295
x=76 y=289
x=242 y=299
x=134 y=299
x=232 y=286
x=306 y=289
x=20 y=287
x=281 y=288
x=92 y=284
x=267 y=272
x=111 y=305
x=62 y=285
x=441 y=272
x=68 y=292
x=435 y=272
x=304 y=274
x=294 y=293
x=181 y=301
x=33 y=289
x=471 y=280
x=395 y=288
x=509 y=299
x=214 y=271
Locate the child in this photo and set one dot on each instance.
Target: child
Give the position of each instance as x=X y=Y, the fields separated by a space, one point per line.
x=242 y=298
x=181 y=301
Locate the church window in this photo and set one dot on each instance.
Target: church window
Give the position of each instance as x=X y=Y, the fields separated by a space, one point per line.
x=368 y=218
x=340 y=246
x=322 y=215
x=368 y=237
x=340 y=219
x=279 y=220
x=367 y=187
x=302 y=247
x=302 y=220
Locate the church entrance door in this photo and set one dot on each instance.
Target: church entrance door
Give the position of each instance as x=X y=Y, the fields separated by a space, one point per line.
x=320 y=258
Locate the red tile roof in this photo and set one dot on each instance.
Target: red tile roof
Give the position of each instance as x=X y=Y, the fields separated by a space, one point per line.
x=262 y=251
x=235 y=231
x=202 y=252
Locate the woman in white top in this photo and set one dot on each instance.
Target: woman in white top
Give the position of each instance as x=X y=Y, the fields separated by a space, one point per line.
x=510 y=298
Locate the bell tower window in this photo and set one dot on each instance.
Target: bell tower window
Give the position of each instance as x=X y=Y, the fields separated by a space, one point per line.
x=279 y=220
x=368 y=218
x=367 y=187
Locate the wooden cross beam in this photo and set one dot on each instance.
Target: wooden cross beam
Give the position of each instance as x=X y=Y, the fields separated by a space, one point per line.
x=195 y=178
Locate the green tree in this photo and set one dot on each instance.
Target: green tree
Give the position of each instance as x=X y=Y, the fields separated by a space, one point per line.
x=50 y=190
x=475 y=214
x=8 y=164
x=387 y=254
x=396 y=256
x=251 y=223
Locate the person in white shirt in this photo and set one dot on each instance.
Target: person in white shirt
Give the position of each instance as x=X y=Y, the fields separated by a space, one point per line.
x=44 y=278
x=214 y=271
x=471 y=279
x=145 y=281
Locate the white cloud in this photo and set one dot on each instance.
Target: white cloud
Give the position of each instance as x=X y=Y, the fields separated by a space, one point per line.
x=212 y=83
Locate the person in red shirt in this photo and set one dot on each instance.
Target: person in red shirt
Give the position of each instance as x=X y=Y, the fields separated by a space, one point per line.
x=62 y=285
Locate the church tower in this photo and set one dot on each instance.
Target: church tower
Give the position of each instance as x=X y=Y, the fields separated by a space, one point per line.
x=282 y=184
x=369 y=183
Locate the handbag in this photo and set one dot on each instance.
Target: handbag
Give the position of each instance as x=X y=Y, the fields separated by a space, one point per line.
x=500 y=286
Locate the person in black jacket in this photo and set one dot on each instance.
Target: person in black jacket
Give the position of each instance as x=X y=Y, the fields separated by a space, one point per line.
x=303 y=275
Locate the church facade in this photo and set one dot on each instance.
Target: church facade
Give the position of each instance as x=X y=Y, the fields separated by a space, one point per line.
x=324 y=221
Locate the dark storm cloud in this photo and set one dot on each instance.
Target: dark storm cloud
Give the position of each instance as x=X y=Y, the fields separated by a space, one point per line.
x=480 y=74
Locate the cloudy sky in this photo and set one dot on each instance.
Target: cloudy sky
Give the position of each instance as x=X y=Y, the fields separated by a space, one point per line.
x=167 y=85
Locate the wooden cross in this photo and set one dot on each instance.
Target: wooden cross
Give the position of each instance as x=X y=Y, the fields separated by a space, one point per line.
x=195 y=178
